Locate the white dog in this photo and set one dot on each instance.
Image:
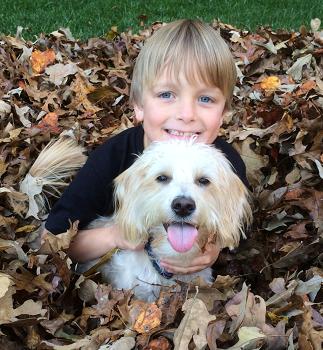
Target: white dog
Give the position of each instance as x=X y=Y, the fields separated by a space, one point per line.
x=174 y=196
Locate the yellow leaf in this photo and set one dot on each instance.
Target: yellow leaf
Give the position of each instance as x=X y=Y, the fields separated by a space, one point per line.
x=270 y=83
x=276 y=318
x=26 y=228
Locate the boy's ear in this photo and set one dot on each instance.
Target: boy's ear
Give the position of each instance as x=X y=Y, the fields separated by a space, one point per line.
x=226 y=115
x=139 y=113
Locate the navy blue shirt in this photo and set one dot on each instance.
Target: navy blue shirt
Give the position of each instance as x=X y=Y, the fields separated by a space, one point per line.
x=90 y=194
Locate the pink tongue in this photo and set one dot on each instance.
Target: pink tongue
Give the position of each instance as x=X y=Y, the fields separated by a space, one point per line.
x=181 y=236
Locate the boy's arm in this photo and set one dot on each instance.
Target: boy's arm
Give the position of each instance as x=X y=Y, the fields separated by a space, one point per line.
x=93 y=243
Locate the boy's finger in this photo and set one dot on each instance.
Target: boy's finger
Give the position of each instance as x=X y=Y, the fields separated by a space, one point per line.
x=183 y=270
x=206 y=259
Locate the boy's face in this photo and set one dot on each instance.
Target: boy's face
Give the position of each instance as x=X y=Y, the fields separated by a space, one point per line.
x=176 y=108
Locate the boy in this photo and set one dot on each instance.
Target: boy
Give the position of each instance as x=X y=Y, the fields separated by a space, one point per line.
x=182 y=86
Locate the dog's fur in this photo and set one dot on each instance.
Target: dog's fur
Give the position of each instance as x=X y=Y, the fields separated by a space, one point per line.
x=211 y=198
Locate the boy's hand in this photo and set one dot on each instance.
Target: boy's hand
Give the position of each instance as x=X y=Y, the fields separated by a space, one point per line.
x=202 y=261
x=121 y=243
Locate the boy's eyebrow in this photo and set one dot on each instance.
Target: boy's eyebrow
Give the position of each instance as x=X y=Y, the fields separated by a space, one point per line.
x=163 y=85
x=172 y=86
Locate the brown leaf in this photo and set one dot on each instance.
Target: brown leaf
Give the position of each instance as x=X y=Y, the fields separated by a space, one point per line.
x=58 y=72
x=53 y=243
x=160 y=343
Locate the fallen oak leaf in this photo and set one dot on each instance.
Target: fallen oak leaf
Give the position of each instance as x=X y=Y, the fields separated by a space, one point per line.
x=254 y=162
x=22 y=113
x=13 y=135
x=194 y=324
x=311 y=287
x=301 y=254
x=297 y=68
x=104 y=93
x=41 y=59
x=82 y=88
x=31 y=308
x=26 y=228
x=144 y=316
x=270 y=83
x=17 y=200
x=124 y=343
x=214 y=331
x=9 y=314
x=305 y=87
x=58 y=72
x=250 y=338
x=79 y=344
x=5 y=282
x=50 y=121
x=3 y=167
x=5 y=108
x=309 y=199
x=63 y=32
x=9 y=245
x=6 y=305
x=53 y=243
x=246 y=309
x=309 y=337
x=86 y=289
x=171 y=299
x=160 y=343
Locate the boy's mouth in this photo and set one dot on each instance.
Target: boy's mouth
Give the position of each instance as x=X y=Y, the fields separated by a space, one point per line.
x=178 y=133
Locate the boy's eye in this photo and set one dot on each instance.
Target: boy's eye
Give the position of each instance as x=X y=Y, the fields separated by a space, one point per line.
x=165 y=94
x=205 y=99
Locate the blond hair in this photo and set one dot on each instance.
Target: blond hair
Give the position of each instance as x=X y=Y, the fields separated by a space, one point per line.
x=188 y=46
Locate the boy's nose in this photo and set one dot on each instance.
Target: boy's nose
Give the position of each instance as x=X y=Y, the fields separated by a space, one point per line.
x=186 y=111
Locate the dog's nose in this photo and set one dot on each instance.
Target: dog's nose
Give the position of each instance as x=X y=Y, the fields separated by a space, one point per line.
x=183 y=206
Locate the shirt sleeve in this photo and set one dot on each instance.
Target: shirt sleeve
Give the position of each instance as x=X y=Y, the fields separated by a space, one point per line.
x=236 y=161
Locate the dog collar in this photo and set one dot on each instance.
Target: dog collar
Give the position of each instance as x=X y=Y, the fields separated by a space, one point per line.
x=155 y=263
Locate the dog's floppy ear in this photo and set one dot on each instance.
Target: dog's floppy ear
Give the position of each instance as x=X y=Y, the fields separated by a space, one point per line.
x=235 y=213
x=229 y=205
x=128 y=215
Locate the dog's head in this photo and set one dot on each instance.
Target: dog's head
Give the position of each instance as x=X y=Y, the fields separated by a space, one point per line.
x=187 y=187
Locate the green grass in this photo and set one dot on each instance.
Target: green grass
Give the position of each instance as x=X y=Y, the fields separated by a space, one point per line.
x=89 y=18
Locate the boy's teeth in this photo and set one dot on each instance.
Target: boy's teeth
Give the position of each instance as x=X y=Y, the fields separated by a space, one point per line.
x=180 y=133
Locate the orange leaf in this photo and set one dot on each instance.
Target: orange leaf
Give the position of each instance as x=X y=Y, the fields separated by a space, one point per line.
x=306 y=87
x=147 y=316
x=41 y=59
x=50 y=121
x=270 y=83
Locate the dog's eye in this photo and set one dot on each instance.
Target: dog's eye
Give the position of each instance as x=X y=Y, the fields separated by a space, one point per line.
x=162 y=178
x=203 y=181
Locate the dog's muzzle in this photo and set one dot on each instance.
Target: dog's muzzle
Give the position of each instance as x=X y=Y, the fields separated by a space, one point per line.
x=183 y=206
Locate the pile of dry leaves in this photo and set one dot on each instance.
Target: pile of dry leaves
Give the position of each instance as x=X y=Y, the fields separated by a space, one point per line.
x=267 y=294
